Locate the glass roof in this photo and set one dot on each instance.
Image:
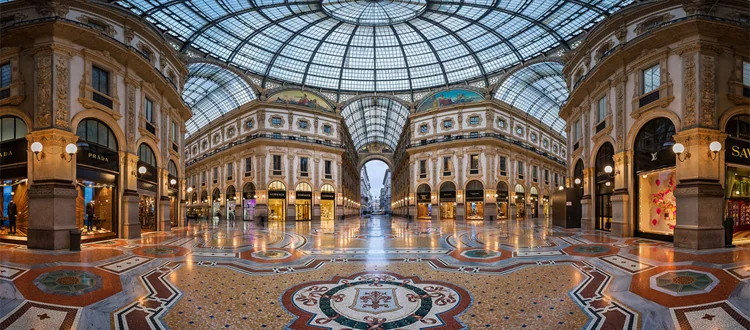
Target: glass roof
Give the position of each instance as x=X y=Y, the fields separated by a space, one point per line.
x=375 y=119
x=211 y=91
x=373 y=45
x=539 y=90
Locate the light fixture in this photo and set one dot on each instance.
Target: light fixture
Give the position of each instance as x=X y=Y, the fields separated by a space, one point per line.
x=609 y=170
x=142 y=170
x=495 y=195
x=173 y=182
x=36 y=148
x=714 y=147
x=70 y=149
x=190 y=189
x=644 y=176
x=737 y=192
x=577 y=181
x=561 y=188
x=607 y=183
x=679 y=150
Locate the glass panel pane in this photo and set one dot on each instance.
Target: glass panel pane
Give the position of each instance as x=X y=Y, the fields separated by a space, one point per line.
x=8 y=129
x=102 y=136
x=91 y=130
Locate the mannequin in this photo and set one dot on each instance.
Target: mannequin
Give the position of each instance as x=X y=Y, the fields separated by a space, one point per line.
x=12 y=211
x=90 y=216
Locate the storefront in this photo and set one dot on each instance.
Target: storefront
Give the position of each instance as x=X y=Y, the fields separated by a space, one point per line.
x=147 y=187
x=327 y=202
x=203 y=211
x=248 y=201
x=173 y=192
x=98 y=166
x=520 y=202
x=474 y=200
x=737 y=182
x=447 y=201
x=13 y=173
x=655 y=180
x=231 y=203
x=276 y=201
x=604 y=185
x=303 y=201
x=424 y=206
x=502 y=200
x=216 y=204
x=534 y=201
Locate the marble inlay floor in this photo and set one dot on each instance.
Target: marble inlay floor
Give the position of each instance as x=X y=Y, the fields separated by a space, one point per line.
x=375 y=273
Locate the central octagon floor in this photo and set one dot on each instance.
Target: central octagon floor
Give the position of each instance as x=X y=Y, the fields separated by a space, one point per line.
x=375 y=273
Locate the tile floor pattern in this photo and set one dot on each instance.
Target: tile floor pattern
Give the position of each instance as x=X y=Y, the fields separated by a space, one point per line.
x=375 y=273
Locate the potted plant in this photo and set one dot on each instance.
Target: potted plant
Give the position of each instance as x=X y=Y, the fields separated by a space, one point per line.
x=728 y=231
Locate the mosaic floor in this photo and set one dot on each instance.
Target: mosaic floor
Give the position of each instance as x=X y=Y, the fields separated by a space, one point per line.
x=375 y=273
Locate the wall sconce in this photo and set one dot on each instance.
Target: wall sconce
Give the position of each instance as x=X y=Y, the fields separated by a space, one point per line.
x=173 y=182
x=577 y=181
x=678 y=150
x=36 y=148
x=70 y=149
x=609 y=170
x=141 y=171
x=608 y=183
x=190 y=189
x=560 y=188
x=714 y=147
x=495 y=195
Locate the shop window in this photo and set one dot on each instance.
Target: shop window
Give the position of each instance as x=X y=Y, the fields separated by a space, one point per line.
x=502 y=200
x=303 y=167
x=422 y=169
x=651 y=79
x=5 y=80
x=474 y=200
x=474 y=164
x=447 y=168
x=230 y=171
x=328 y=170
x=327 y=199
x=503 y=166
x=248 y=167
x=276 y=165
x=520 y=170
x=12 y=128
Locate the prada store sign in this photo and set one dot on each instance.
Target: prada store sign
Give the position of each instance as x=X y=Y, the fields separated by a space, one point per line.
x=13 y=152
x=737 y=151
x=96 y=156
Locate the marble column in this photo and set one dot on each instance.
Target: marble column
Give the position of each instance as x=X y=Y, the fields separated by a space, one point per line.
x=52 y=192
x=131 y=225
x=699 y=194
x=587 y=203
x=622 y=217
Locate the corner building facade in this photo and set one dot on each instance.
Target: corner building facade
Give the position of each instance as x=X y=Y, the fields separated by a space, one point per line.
x=653 y=76
x=96 y=93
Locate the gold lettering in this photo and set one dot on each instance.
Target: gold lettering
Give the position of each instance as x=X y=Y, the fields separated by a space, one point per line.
x=740 y=152
x=6 y=154
x=98 y=157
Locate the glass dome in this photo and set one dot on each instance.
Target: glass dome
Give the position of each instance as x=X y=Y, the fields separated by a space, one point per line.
x=373 y=45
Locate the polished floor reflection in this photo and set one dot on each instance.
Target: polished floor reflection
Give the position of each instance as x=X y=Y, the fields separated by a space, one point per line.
x=375 y=273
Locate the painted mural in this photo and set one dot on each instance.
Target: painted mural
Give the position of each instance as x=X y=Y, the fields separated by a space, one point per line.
x=450 y=97
x=300 y=98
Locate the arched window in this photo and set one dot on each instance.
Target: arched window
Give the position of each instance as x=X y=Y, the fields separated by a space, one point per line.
x=423 y=188
x=276 y=185
x=738 y=127
x=204 y=197
x=303 y=186
x=172 y=169
x=146 y=155
x=327 y=188
x=231 y=192
x=474 y=185
x=533 y=191
x=502 y=187
x=195 y=197
x=96 y=132
x=578 y=171
x=653 y=145
x=216 y=195
x=12 y=128
x=519 y=189
x=448 y=186
x=248 y=191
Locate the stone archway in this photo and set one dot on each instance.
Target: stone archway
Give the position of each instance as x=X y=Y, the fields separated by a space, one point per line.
x=387 y=158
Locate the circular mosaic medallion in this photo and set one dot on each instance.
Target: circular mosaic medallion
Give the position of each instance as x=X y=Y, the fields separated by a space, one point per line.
x=480 y=254
x=271 y=254
x=591 y=249
x=160 y=251
x=683 y=282
x=68 y=282
x=376 y=301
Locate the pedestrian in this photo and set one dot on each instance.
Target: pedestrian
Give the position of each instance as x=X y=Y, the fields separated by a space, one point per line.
x=12 y=211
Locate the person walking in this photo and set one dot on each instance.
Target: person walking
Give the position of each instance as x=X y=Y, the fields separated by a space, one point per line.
x=90 y=216
x=12 y=211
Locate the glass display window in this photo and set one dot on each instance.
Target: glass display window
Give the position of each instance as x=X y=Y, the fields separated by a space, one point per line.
x=448 y=210
x=475 y=210
x=424 y=210
x=276 y=209
x=16 y=191
x=326 y=210
x=147 y=212
x=657 y=206
x=95 y=208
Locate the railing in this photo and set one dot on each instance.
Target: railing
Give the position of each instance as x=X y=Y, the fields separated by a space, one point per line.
x=101 y=99
x=274 y=136
x=648 y=98
x=500 y=137
x=62 y=19
x=648 y=33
